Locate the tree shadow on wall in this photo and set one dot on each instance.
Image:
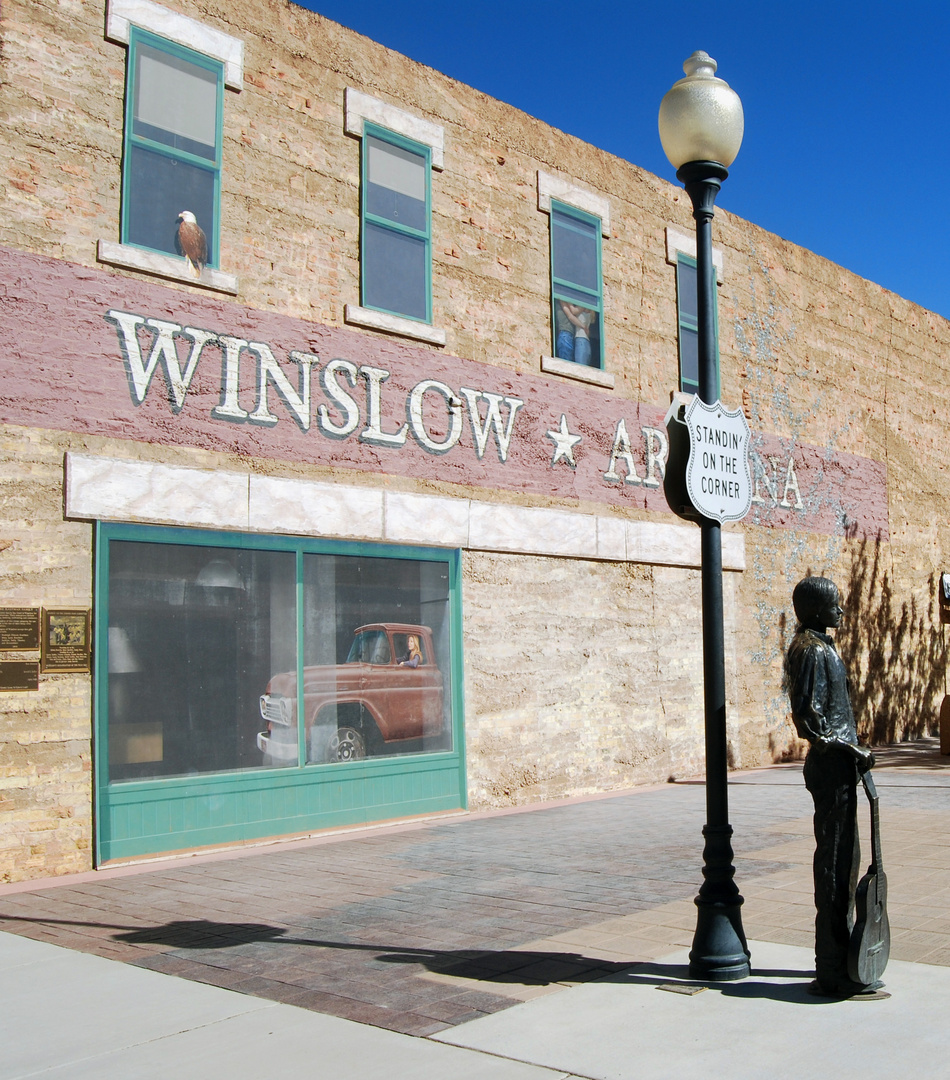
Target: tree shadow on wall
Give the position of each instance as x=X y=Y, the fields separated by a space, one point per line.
x=894 y=651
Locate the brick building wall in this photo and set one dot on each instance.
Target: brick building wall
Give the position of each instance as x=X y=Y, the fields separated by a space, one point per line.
x=845 y=379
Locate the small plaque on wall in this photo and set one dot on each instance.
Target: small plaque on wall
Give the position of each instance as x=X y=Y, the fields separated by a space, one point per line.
x=19 y=628
x=67 y=644
x=19 y=675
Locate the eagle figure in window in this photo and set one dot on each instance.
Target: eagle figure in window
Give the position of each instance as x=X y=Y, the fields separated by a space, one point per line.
x=192 y=242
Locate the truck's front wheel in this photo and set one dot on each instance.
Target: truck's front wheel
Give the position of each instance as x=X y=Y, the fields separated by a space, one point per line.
x=347 y=744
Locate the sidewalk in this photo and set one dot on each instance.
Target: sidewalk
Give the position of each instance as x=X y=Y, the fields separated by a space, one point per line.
x=76 y=1016
x=501 y=938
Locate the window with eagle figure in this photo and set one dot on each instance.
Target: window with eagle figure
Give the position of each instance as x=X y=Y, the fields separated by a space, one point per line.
x=172 y=164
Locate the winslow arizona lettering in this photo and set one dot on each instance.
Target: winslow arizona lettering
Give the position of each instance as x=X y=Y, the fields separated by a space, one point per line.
x=352 y=406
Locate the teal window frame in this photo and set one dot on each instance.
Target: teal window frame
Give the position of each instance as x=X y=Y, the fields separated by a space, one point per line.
x=149 y=816
x=367 y=218
x=567 y=290
x=138 y=37
x=688 y=323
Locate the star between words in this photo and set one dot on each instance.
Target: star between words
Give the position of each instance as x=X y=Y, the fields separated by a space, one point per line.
x=353 y=404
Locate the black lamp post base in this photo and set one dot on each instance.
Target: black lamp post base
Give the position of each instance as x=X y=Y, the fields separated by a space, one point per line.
x=719 y=951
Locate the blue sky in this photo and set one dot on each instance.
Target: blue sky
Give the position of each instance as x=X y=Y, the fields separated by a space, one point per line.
x=847 y=137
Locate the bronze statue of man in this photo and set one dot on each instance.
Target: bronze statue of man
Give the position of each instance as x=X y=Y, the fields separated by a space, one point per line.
x=817 y=685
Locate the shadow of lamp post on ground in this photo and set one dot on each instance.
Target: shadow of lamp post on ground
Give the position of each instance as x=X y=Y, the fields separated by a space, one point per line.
x=701 y=126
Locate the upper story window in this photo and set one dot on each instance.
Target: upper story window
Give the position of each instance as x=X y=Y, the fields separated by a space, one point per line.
x=398 y=154
x=176 y=74
x=687 y=315
x=578 y=220
x=171 y=173
x=681 y=252
x=396 y=232
x=576 y=286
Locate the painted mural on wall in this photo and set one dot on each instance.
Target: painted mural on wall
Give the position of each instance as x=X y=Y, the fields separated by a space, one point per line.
x=138 y=361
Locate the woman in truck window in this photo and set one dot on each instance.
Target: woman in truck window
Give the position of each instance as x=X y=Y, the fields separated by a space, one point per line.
x=413 y=657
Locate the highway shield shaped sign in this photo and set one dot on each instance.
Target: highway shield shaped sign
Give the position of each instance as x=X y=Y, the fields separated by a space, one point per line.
x=718 y=477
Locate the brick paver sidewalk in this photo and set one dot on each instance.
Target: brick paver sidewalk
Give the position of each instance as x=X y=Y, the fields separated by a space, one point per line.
x=419 y=928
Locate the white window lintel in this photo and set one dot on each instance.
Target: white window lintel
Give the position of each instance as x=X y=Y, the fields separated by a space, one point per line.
x=121 y=14
x=681 y=243
x=560 y=187
x=359 y=107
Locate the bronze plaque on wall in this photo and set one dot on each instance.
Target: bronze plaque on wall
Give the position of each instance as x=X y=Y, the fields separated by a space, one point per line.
x=19 y=675
x=19 y=628
x=67 y=645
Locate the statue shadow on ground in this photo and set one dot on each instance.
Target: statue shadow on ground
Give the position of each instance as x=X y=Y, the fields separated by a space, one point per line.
x=523 y=967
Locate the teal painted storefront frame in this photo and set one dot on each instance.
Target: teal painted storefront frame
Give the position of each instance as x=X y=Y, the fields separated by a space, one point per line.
x=142 y=817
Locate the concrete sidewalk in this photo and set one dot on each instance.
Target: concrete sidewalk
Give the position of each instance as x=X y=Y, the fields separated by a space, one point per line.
x=535 y=936
x=72 y=1015
x=68 y=1014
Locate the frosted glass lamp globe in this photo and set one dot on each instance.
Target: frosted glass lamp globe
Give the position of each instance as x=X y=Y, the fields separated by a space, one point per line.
x=701 y=116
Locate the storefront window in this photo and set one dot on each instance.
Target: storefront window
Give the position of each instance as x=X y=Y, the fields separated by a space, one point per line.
x=204 y=665
x=194 y=634
x=376 y=650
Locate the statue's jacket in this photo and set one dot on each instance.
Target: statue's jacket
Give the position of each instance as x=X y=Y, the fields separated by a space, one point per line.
x=818 y=690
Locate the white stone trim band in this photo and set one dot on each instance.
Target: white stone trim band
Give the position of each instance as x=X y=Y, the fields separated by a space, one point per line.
x=359 y=107
x=115 y=489
x=178 y=28
x=560 y=187
x=677 y=242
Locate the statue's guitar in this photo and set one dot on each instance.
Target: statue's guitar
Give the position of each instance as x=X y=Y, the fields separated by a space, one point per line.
x=870 y=944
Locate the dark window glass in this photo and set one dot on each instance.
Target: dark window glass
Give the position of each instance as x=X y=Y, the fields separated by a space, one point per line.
x=370 y=647
x=575 y=252
x=689 y=360
x=194 y=635
x=394 y=271
x=688 y=320
x=686 y=286
x=159 y=189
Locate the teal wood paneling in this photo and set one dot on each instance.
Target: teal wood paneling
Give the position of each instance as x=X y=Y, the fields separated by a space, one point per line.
x=172 y=815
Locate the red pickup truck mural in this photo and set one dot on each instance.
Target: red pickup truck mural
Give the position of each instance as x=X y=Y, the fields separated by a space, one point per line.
x=386 y=698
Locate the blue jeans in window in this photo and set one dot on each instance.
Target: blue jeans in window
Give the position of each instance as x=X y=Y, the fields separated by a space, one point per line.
x=582 y=350
x=565 y=345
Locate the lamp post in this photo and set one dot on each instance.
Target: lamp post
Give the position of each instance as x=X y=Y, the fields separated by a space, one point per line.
x=701 y=130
